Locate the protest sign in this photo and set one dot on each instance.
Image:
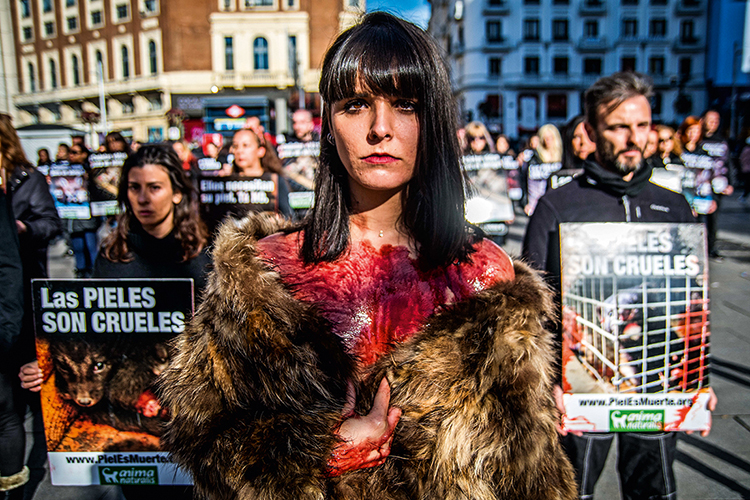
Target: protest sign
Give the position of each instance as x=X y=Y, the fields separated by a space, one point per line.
x=101 y=345
x=300 y=161
x=69 y=189
x=635 y=326
x=236 y=196
x=104 y=171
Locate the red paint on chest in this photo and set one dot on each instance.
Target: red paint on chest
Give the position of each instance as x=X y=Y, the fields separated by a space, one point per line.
x=376 y=298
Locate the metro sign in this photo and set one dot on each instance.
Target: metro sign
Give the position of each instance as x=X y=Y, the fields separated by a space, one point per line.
x=234 y=111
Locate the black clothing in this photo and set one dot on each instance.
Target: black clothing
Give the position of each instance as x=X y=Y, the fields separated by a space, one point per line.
x=34 y=206
x=12 y=437
x=155 y=258
x=597 y=196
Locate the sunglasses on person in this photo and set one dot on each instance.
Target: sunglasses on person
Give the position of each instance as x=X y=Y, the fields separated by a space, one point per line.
x=477 y=138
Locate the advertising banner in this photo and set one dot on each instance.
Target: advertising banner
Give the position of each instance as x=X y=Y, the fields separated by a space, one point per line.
x=105 y=170
x=69 y=189
x=635 y=326
x=101 y=344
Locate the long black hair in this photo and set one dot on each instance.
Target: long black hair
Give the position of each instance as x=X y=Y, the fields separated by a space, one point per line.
x=189 y=228
x=389 y=56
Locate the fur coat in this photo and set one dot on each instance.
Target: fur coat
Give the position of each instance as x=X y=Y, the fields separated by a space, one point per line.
x=258 y=385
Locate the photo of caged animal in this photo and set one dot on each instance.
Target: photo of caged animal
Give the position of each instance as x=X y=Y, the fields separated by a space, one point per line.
x=110 y=381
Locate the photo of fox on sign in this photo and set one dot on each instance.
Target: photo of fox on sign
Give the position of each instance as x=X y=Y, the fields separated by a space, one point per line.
x=636 y=328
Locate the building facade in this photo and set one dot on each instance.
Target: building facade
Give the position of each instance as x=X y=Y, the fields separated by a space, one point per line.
x=145 y=65
x=518 y=64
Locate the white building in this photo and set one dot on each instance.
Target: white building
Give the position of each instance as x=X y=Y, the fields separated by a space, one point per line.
x=518 y=64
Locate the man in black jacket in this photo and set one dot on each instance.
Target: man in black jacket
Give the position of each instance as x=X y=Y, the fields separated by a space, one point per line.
x=614 y=187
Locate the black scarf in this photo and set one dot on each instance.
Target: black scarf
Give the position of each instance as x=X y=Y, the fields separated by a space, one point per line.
x=613 y=183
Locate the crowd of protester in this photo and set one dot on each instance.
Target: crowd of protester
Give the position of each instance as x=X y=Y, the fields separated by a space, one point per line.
x=171 y=199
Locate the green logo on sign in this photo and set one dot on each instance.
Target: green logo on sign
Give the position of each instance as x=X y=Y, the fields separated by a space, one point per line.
x=636 y=420
x=128 y=475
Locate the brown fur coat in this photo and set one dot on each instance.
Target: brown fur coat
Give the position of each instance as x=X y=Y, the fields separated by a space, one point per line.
x=259 y=382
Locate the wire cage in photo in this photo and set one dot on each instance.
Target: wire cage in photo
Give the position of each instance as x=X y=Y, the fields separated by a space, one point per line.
x=639 y=334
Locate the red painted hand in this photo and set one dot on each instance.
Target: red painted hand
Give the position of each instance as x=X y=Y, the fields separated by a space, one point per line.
x=366 y=440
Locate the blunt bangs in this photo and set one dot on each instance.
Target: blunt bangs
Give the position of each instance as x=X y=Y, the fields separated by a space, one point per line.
x=379 y=60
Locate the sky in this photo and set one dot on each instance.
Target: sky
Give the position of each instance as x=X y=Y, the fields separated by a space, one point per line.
x=416 y=11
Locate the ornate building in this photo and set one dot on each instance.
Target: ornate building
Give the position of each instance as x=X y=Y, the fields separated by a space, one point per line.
x=159 y=61
x=518 y=64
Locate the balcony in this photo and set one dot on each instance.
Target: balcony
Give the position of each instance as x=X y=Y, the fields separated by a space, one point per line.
x=498 y=45
x=596 y=44
x=689 y=8
x=687 y=44
x=592 y=8
x=240 y=80
x=496 y=7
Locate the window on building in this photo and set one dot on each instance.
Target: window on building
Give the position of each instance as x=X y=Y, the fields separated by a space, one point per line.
x=228 y=53
x=293 y=56
x=629 y=28
x=560 y=2
x=96 y=18
x=75 y=69
x=656 y=103
x=46 y=6
x=495 y=3
x=591 y=29
x=461 y=34
x=657 y=28
x=687 y=31
x=122 y=12
x=627 y=63
x=656 y=65
x=125 y=56
x=494 y=31
x=153 y=66
x=227 y=5
x=149 y=6
x=25 y=8
x=260 y=54
x=531 y=65
x=249 y=4
x=557 y=106
x=495 y=66
x=560 y=65
x=592 y=66
x=531 y=30
x=560 y=30
x=99 y=64
x=658 y=2
x=72 y=23
x=32 y=77
x=70 y=3
x=685 y=66
x=49 y=28
x=531 y=2
x=27 y=33
x=629 y=2
x=127 y=107
x=52 y=74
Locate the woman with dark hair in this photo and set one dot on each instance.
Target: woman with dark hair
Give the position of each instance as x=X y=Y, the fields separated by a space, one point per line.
x=114 y=142
x=159 y=233
x=383 y=304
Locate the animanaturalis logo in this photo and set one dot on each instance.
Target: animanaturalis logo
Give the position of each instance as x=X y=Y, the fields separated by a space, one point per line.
x=128 y=475
x=636 y=420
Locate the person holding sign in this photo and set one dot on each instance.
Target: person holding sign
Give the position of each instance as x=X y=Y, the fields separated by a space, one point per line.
x=384 y=290
x=159 y=233
x=614 y=187
x=250 y=188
